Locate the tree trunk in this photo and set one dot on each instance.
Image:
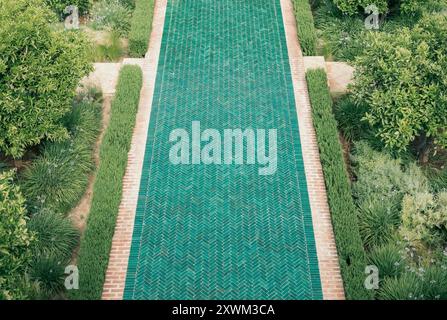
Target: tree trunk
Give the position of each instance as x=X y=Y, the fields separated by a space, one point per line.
x=423 y=148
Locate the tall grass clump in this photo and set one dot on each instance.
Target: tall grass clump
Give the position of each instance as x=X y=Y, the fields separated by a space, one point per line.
x=97 y=240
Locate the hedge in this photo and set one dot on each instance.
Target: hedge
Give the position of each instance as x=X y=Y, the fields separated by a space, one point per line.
x=97 y=240
x=305 y=27
x=141 y=27
x=350 y=249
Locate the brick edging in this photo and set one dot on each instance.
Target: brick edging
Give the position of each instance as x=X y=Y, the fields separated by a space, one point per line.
x=331 y=281
x=122 y=238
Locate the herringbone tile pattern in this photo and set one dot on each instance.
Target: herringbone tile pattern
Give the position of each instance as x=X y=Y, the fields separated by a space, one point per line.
x=223 y=231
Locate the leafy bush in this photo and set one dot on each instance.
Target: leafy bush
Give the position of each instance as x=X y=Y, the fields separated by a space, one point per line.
x=343 y=211
x=111 y=14
x=59 y=6
x=96 y=243
x=424 y=219
x=141 y=27
x=382 y=179
x=58 y=177
x=55 y=235
x=48 y=272
x=401 y=77
x=305 y=27
x=15 y=238
x=389 y=260
x=40 y=68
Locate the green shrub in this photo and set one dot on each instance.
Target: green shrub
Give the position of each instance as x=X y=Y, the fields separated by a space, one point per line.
x=48 y=273
x=343 y=211
x=96 y=243
x=401 y=78
x=111 y=14
x=305 y=27
x=349 y=118
x=55 y=235
x=141 y=27
x=58 y=6
x=15 y=238
x=58 y=177
x=389 y=259
x=424 y=219
x=380 y=178
x=40 y=68
x=378 y=221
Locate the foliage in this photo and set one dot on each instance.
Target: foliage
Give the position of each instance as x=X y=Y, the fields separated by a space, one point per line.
x=349 y=116
x=305 y=27
x=55 y=235
x=128 y=3
x=401 y=77
x=96 y=243
x=428 y=284
x=424 y=219
x=378 y=221
x=141 y=27
x=48 y=273
x=59 y=6
x=404 y=6
x=380 y=178
x=15 y=238
x=389 y=259
x=349 y=244
x=111 y=14
x=57 y=178
x=40 y=68
x=112 y=50
x=406 y=287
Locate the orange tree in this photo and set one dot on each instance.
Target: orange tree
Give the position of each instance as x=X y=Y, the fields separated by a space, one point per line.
x=402 y=79
x=40 y=68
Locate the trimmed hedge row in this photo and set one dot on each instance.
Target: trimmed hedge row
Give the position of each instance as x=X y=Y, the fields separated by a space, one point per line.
x=97 y=240
x=141 y=28
x=305 y=27
x=343 y=211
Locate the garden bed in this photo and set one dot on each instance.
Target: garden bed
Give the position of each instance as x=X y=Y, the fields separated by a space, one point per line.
x=393 y=176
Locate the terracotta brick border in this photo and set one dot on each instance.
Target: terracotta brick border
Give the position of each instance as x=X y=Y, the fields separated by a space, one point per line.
x=122 y=239
x=331 y=280
x=327 y=254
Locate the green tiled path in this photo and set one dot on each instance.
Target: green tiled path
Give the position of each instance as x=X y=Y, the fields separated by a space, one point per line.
x=223 y=231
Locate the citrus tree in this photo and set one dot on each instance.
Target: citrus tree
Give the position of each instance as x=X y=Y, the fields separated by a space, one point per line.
x=402 y=79
x=40 y=68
